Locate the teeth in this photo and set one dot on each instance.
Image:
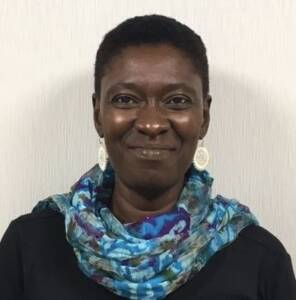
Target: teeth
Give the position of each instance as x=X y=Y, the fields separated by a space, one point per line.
x=150 y=152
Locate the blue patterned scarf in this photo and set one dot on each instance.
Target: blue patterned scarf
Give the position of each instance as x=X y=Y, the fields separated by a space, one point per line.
x=153 y=257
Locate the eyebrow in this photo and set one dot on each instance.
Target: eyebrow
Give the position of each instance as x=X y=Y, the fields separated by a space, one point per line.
x=168 y=87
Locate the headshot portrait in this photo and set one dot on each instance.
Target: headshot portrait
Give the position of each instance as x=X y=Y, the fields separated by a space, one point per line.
x=147 y=150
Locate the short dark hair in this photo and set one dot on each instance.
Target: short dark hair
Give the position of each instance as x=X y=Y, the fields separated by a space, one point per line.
x=152 y=29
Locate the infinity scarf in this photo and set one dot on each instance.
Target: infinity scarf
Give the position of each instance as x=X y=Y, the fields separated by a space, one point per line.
x=153 y=257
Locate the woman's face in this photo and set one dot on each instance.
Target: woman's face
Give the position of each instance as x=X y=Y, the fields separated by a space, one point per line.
x=151 y=97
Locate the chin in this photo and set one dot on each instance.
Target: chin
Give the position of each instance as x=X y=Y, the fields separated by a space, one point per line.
x=152 y=178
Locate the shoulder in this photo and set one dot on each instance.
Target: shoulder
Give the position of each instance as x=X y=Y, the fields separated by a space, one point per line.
x=46 y=215
x=263 y=240
x=33 y=229
x=36 y=224
x=35 y=233
x=275 y=274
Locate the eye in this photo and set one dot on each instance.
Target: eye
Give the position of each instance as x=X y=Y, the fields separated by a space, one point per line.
x=124 y=100
x=179 y=102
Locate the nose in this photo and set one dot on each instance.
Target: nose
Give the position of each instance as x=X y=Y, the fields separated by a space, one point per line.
x=151 y=121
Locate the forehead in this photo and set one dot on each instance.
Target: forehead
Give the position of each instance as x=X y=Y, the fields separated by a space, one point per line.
x=151 y=65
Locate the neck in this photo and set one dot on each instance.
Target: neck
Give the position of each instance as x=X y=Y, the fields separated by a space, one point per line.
x=130 y=205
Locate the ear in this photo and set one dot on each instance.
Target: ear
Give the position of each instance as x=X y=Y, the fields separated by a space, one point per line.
x=206 y=115
x=96 y=114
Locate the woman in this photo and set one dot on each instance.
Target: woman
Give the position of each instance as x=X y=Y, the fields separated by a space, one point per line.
x=142 y=224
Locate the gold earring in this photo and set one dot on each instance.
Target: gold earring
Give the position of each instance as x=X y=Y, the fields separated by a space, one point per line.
x=201 y=157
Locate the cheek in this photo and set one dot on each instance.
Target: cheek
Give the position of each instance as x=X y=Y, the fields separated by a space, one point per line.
x=115 y=126
x=188 y=126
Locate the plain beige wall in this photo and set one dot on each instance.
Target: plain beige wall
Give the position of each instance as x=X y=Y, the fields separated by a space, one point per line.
x=47 y=51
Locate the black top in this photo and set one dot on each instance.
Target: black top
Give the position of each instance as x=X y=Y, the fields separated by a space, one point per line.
x=37 y=263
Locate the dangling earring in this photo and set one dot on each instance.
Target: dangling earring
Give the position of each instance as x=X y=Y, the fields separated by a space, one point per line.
x=201 y=157
x=102 y=154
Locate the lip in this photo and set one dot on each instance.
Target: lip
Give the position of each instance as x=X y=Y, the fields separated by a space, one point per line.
x=154 y=146
x=152 y=153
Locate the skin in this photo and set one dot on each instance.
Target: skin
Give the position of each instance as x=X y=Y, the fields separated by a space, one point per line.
x=150 y=94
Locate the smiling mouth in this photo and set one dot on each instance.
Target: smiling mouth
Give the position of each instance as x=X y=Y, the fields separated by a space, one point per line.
x=151 y=153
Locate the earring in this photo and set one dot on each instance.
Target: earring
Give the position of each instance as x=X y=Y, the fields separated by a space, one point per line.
x=201 y=157
x=102 y=154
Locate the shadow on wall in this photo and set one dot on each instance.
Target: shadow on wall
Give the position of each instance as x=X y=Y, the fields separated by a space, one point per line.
x=248 y=139
x=61 y=135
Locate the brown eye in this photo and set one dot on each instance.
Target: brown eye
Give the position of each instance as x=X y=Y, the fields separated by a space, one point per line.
x=123 y=100
x=179 y=102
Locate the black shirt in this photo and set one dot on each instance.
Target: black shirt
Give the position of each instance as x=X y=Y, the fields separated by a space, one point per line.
x=37 y=263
